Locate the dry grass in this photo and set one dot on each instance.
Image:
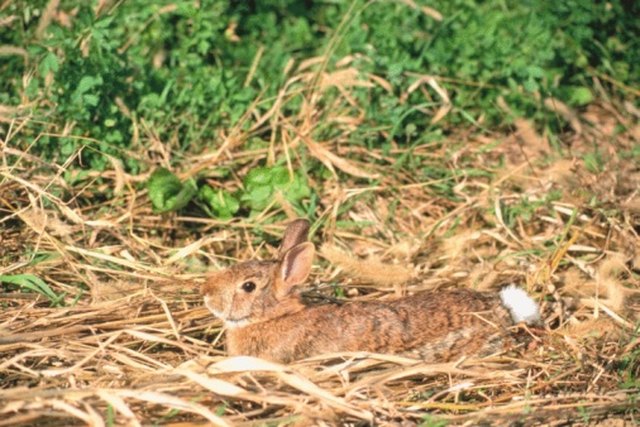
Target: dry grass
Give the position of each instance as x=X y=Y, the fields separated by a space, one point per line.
x=133 y=345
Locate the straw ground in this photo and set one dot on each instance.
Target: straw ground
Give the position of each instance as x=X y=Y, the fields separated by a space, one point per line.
x=102 y=323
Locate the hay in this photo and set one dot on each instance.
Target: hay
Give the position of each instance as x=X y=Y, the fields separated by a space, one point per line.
x=133 y=344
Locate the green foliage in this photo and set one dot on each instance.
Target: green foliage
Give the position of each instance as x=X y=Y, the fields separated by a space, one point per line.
x=111 y=416
x=222 y=204
x=167 y=193
x=33 y=283
x=526 y=209
x=432 y=421
x=220 y=409
x=630 y=364
x=181 y=70
x=181 y=67
x=580 y=96
x=594 y=162
x=585 y=414
x=262 y=183
x=338 y=291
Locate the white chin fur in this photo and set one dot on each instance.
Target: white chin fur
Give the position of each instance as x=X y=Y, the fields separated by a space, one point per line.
x=220 y=315
x=521 y=306
x=232 y=324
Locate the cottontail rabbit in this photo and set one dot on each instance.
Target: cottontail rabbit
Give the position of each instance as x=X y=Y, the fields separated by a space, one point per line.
x=264 y=316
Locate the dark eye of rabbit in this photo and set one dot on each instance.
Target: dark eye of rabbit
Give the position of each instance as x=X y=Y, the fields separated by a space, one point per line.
x=248 y=287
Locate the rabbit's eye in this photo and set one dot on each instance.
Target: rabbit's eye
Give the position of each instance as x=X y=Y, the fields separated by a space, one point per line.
x=248 y=287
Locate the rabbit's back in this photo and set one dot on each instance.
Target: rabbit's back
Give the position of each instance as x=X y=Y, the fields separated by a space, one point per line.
x=434 y=325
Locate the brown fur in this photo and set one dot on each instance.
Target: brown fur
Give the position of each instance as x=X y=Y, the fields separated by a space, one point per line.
x=272 y=323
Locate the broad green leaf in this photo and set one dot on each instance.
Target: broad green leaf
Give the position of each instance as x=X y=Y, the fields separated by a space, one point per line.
x=167 y=193
x=259 y=197
x=258 y=176
x=262 y=183
x=280 y=177
x=223 y=204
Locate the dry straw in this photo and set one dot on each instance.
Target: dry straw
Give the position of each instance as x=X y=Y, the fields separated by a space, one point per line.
x=134 y=346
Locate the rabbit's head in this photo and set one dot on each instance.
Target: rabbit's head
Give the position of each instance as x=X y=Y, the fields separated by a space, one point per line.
x=255 y=291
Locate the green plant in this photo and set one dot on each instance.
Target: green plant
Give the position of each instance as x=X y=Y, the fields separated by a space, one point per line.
x=167 y=193
x=525 y=209
x=593 y=161
x=221 y=203
x=630 y=364
x=182 y=68
x=432 y=421
x=585 y=414
x=262 y=184
x=33 y=283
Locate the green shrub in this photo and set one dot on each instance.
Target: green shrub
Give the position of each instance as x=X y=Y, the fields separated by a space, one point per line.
x=181 y=69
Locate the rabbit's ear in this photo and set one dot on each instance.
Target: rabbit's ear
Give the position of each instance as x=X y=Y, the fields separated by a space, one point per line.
x=297 y=232
x=295 y=267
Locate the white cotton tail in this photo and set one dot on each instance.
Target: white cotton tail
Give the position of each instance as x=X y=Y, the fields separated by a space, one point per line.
x=521 y=306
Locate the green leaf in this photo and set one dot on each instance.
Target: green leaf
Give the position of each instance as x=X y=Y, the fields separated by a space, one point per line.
x=531 y=85
x=104 y=23
x=280 y=177
x=258 y=176
x=86 y=84
x=221 y=202
x=297 y=190
x=259 y=197
x=167 y=193
x=48 y=64
x=220 y=409
x=90 y=100
x=580 y=96
x=34 y=284
x=261 y=183
x=535 y=71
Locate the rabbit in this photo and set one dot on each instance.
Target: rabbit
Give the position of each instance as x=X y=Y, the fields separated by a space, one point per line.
x=265 y=317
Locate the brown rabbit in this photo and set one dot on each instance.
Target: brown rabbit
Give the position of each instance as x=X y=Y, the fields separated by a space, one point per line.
x=265 y=317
